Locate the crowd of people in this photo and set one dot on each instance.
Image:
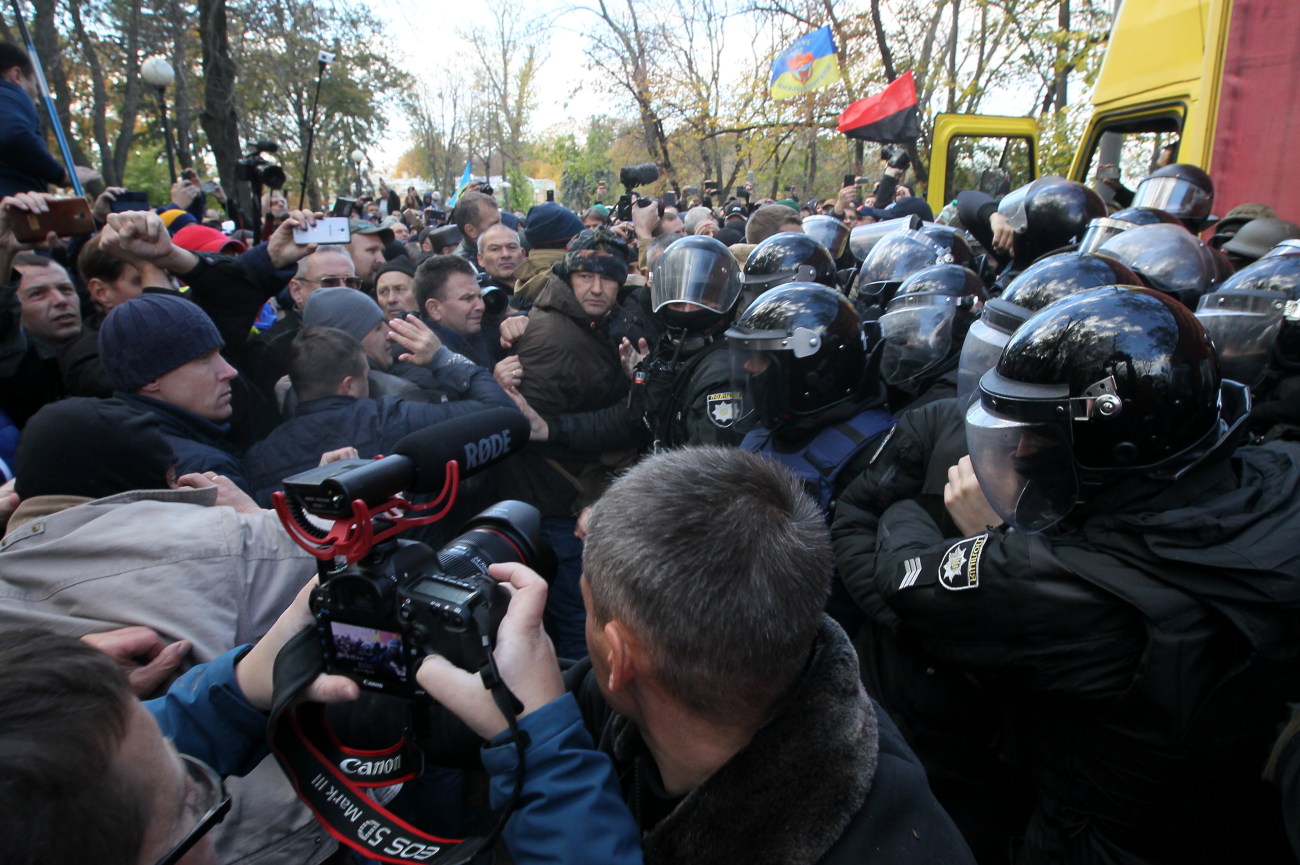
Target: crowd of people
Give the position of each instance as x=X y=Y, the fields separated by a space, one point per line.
x=868 y=534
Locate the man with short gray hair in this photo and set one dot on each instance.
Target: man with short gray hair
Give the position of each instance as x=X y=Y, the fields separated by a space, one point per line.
x=728 y=701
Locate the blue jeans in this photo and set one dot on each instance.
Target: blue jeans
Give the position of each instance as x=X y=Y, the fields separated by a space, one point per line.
x=565 y=617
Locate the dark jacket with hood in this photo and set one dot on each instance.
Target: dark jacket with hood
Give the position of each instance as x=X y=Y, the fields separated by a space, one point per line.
x=827 y=779
x=1142 y=647
x=200 y=445
x=569 y=365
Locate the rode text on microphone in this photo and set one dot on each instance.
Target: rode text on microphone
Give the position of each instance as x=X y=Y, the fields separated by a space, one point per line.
x=383 y=605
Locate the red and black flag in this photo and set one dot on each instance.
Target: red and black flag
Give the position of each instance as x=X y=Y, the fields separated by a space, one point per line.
x=888 y=116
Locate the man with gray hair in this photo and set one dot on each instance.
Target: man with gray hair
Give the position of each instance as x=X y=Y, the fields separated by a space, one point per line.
x=730 y=704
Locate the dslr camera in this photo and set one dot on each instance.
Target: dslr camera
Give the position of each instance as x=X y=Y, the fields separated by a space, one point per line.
x=379 y=616
x=632 y=176
x=495 y=298
x=895 y=156
x=257 y=170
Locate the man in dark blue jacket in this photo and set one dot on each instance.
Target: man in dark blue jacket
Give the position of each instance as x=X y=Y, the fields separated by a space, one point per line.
x=163 y=355
x=329 y=374
x=25 y=163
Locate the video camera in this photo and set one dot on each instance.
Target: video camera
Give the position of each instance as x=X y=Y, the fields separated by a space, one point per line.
x=257 y=170
x=391 y=601
x=632 y=176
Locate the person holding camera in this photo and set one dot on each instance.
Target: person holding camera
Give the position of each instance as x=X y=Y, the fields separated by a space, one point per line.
x=88 y=767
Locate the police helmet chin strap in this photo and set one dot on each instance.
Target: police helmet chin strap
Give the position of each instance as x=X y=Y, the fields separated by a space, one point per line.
x=332 y=779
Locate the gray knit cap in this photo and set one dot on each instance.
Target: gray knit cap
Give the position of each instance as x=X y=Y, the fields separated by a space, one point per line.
x=349 y=310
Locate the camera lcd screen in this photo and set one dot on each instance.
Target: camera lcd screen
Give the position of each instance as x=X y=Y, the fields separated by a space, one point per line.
x=444 y=592
x=369 y=651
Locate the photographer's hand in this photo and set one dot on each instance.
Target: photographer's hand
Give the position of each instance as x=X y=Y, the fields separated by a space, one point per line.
x=524 y=655
x=253 y=672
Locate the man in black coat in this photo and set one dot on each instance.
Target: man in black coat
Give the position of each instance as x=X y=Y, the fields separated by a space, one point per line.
x=1125 y=595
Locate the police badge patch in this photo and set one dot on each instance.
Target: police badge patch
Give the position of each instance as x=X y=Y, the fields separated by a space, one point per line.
x=960 y=567
x=724 y=408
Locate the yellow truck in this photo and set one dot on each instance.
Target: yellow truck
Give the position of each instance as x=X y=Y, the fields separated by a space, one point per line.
x=1219 y=79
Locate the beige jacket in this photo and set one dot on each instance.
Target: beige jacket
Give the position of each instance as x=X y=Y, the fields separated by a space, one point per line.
x=173 y=561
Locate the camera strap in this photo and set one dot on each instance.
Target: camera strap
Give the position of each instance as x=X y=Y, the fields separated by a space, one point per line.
x=332 y=778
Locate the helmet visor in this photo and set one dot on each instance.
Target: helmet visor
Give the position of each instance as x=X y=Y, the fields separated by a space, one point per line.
x=760 y=379
x=700 y=277
x=917 y=336
x=864 y=238
x=829 y=232
x=1025 y=468
x=1244 y=326
x=979 y=354
x=1101 y=230
x=899 y=256
x=1173 y=194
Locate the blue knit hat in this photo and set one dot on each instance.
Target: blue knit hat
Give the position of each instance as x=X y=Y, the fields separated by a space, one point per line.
x=151 y=335
x=551 y=226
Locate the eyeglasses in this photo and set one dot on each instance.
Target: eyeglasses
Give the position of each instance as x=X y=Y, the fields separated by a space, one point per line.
x=334 y=281
x=206 y=804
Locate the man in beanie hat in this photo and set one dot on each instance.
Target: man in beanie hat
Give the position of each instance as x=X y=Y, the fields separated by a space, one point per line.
x=106 y=537
x=570 y=364
x=163 y=355
x=549 y=229
x=358 y=315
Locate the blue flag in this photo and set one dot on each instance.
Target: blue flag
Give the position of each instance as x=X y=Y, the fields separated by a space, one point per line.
x=465 y=179
x=810 y=62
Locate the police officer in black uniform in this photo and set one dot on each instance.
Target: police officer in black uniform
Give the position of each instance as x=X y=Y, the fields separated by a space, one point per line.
x=1123 y=584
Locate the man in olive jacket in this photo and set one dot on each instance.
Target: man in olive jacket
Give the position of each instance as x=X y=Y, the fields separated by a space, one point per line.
x=570 y=364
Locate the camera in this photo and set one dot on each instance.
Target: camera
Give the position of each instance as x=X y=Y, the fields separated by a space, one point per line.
x=377 y=619
x=495 y=298
x=257 y=170
x=324 y=57
x=632 y=176
x=895 y=156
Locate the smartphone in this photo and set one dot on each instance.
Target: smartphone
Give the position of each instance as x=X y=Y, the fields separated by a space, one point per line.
x=208 y=186
x=66 y=217
x=342 y=206
x=742 y=192
x=670 y=199
x=126 y=201
x=330 y=229
x=550 y=195
x=850 y=180
x=1108 y=172
x=749 y=177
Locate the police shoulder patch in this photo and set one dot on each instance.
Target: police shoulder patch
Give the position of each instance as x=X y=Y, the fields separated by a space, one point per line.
x=959 y=568
x=724 y=408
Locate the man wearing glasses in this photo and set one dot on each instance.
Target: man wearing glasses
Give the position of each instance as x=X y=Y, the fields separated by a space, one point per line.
x=87 y=773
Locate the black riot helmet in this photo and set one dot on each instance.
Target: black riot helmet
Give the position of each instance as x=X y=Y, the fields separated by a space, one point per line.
x=695 y=284
x=1171 y=259
x=830 y=232
x=1104 y=228
x=893 y=259
x=925 y=323
x=790 y=256
x=1286 y=247
x=1043 y=282
x=955 y=240
x=802 y=348
x=864 y=238
x=1181 y=189
x=1048 y=214
x=1254 y=317
x=1110 y=383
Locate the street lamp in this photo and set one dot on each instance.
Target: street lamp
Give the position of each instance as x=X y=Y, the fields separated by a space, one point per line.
x=357 y=158
x=157 y=72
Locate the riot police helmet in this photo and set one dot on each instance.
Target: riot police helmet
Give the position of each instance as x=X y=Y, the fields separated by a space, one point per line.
x=1048 y=214
x=1184 y=190
x=1254 y=317
x=802 y=350
x=830 y=232
x=1103 y=228
x=790 y=256
x=1043 y=282
x=1170 y=259
x=1107 y=384
x=695 y=283
x=893 y=259
x=926 y=321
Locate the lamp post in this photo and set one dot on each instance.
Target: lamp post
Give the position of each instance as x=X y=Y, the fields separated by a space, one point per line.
x=357 y=158
x=157 y=72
